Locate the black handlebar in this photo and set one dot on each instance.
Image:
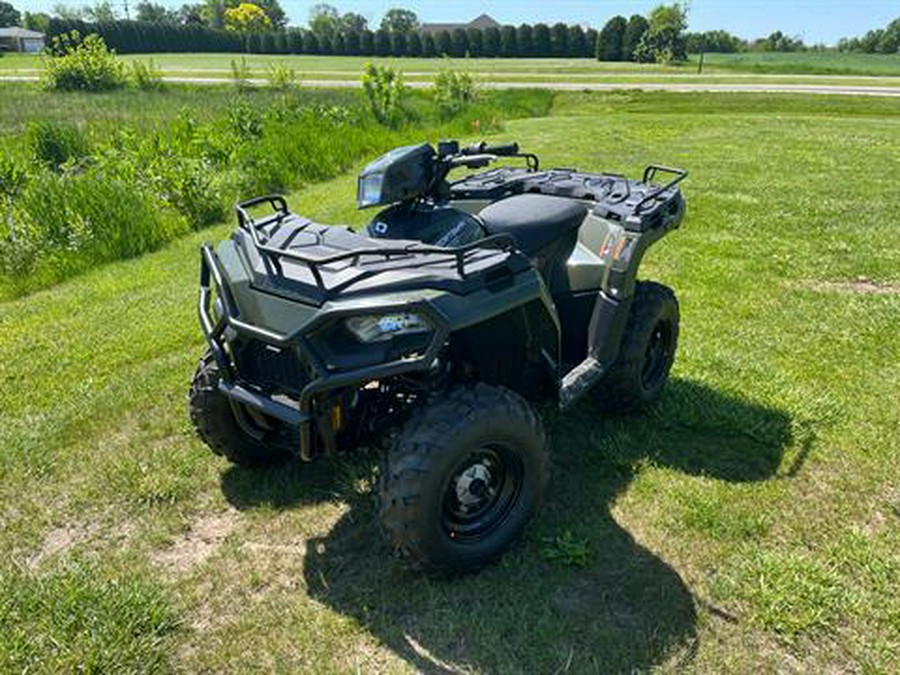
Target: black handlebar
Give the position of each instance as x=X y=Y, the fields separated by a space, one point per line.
x=502 y=150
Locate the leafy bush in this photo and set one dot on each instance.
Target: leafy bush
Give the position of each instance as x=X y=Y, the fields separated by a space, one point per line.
x=281 y=77
x=385 y=92
x=56 y=144
x=240 y=74
x=453 y=90
x=146 y=76
x=81 y=64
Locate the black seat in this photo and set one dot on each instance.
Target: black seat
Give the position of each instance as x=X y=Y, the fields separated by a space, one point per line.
x=533 y=220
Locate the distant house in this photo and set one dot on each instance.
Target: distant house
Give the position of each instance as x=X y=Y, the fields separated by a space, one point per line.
x=482 y=22
x=17 y=39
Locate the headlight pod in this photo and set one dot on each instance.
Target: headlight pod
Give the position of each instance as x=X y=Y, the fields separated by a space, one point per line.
x=381 y=327
x=369 y=190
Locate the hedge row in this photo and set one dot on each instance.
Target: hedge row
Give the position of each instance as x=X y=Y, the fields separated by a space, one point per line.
x=140 y=37
x=523 y=41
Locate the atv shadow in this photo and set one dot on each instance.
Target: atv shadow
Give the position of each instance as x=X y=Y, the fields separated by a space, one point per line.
x=626 y=610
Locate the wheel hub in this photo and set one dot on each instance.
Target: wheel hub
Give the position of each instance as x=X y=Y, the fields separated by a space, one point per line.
x=474 y=486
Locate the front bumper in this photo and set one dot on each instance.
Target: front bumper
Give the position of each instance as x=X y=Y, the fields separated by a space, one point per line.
x=324 y=378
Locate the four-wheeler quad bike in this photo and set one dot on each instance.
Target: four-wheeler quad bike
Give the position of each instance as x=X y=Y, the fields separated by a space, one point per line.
x=434 y=335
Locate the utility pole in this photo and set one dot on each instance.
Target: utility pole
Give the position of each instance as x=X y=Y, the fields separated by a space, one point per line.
x=127 y=15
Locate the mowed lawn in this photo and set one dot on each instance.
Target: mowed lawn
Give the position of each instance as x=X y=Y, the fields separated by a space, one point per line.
x=748 y=523
x=746 y=67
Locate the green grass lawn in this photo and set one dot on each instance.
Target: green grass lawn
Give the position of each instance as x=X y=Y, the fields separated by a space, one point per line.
x=727 y=67
x=814 y=63
x=746 y=524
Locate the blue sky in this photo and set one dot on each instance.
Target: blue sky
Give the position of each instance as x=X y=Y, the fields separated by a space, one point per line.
x=823 y=21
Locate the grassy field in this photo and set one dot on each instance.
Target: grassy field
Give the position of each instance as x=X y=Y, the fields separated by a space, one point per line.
x=748 y=523
x=813 y=63
x=717 y=67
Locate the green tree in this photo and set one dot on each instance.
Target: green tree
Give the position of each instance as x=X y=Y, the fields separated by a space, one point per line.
x=382 y=43
x=664 y=42
x=889 y=43
x=578 y=46
x=509 y=44
x=248 y=18
x=272 y=8
x=38 y=21
x=459 y=45
x=716 y=41
x=559 y=40
x=214 y=13
x=398 y=44
x=9 y=15
x=542 y=42
x=153 y=13
x=476 y=41
x=352 y=42
x=102 y=11
x=324 y=20
x=351 y=21
x=414 y=44
x=69 y=13
x=637 y=26
x=525 y=36
x=400 y=21
x=191 y=15
x=310 y=43
x=428 y=46
x=491 y=43
x=610 y=40
x=295 y=41
x=443 y=43
x=367 y=43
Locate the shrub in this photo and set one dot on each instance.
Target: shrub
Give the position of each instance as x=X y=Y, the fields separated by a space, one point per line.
x=146 y=76
x=385 y=92
x=240 y=74
x=281 y=77
x=453 y=91
x=56 y=144
x=81 y=64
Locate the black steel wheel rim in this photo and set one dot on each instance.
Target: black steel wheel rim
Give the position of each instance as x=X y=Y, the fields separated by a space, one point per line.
x=481 y=491
x=657 y=355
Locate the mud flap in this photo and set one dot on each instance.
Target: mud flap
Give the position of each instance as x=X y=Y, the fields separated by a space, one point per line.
x=605 y=336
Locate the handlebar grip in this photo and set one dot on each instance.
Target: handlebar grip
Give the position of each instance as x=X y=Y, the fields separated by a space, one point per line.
x=505 y=149
x=483 y=148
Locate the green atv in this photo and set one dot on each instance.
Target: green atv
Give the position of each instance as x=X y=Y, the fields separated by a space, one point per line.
x=435 y=335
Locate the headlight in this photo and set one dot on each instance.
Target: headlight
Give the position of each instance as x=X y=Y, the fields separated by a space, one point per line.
x=377 y=328
x=368 y=191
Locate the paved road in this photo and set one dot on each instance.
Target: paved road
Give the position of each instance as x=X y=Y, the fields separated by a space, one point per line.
x=737 y=87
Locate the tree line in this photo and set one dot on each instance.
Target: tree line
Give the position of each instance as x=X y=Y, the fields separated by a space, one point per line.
x=539 y=40
x=261 y=26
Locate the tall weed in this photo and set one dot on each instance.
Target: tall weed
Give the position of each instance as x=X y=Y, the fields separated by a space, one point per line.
x=55 y=144
x=385 y=92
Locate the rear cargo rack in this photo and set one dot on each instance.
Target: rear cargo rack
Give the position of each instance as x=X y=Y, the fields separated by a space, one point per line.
x=246 y=222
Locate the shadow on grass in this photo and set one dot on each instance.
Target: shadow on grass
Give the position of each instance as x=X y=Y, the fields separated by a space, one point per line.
x=626 y=610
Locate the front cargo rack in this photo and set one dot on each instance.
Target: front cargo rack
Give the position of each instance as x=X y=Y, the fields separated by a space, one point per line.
x=460 y=256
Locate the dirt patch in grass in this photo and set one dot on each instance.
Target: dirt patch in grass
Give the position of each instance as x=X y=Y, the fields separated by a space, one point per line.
x=860 y=285
x=59 y=540
x=196 y=545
